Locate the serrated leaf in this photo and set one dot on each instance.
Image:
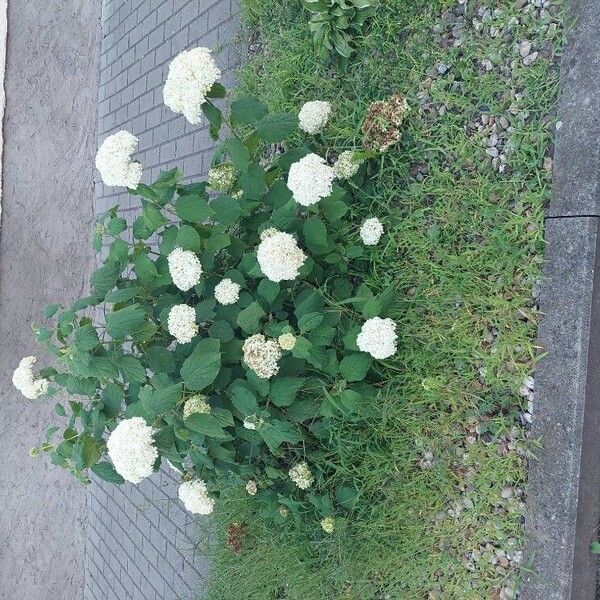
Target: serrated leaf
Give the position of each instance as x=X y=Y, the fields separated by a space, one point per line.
x=248 y=110
x=51 y=310
x=269 y=290
x=355 y=367
x=315 y=235
x=277 y=127
x=309 y=321
x=244 y=400
x=206 y=424
x=145 y=269
x=252 y=182
x=221 y=330
x=132 y=369
x=284 y=390
x=239 y=154
x=227 y=210
x=215 y=118
x=104 y=470
x=202 y=366
x=104 y=279
x=112 y=398
x=249 y=318
x=188 y=238
x=126 y=321
x=159 y=359
x=193 y=208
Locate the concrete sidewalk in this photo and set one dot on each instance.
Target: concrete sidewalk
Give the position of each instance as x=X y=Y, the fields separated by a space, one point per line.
x=45 y=256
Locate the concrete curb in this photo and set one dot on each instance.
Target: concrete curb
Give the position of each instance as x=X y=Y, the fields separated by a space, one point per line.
x=563 y=508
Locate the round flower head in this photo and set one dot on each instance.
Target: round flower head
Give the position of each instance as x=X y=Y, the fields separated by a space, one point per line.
x=192 y=73
x=195 y=498
x=26 y=381
x=113 y=160
x=262 y=355
x=345 y=166
x=313 y=116
x=310 y=179
x=222 y=178
x=251 y=488
x=253 y=422
x=227 y=292
x=131 y=449
x=185 y=268
x=196 y=404
x=287 y=341
x=371 y=231
x=301 y=475
x=328 y=524
x=381 y=127
x=181 y=323
x=378 y=337
x=279 y=256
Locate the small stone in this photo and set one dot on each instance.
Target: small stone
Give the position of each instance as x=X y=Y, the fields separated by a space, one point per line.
x=493 y=140
x=530 y=59
x=503 y=562
x=504 y=122
x=442 y=68
x=485 y=119
x=487 y=64
x=524 y=48
x=520 y=4
x=558 y=125
x=493 y=152
x=507 y=492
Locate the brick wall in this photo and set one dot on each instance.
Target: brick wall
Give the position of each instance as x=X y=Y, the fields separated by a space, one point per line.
x=139 y=540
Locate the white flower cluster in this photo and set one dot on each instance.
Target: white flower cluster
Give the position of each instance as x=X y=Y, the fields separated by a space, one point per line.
x=262 y=355
x=252 y=488
x=185 y=268
x=131 y=449
x=287 y=341
x=279 y=256
x=328 y=524
x=301 y=475
x=378 y=337
x=195 y=498
x=191 y=75
x=181 y=323
x=253 y=422
x=196 y=404
x=313 y=116
x=310 y=179
x=24 y=379
x=371 y=231
x=227 y=292
x=346 y=166
x=222 y=178
x=113 y=160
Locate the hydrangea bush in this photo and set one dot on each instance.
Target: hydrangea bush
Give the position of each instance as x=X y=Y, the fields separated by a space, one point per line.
x=235 y=326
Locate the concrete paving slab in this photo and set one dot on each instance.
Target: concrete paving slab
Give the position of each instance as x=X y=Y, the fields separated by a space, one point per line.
x=577 y=154
x=563 y=511
x=45 y=256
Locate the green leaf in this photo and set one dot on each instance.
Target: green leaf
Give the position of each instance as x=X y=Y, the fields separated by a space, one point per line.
x=277 y=127
x=148 y=222
x=215 y=118
x=221 y=330
x=217 y=91
x=310 y=321
x=159 y=359
x=193 y=208
x=145 y=269
x=105 y=471
x=123 y=295
x=378 y=305
x=206 y=424
x=347 y=496
x=126 y=321
x=253 y=182
x=355 y=367
x=240 y=155
x=249 y=318
x=188 y=239
x=163 y=400
x=248 y=110
x=116 y=226
x=118 y=253
x=276 y=432
x=105 y=278
x=244 y=400
x=112 y=398
x=132 y=369
x=269 y=290
x=595 y=547
x=333 y=208
x=227 y=210
x=86 y=337
x=284 y=390
x=51 y=310
x=91 y=451
x=202 y=366
x=315 y=235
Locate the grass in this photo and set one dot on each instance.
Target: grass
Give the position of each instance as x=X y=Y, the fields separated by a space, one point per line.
x=464 y=244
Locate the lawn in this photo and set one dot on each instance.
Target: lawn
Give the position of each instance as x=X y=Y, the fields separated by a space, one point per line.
x=442 y=463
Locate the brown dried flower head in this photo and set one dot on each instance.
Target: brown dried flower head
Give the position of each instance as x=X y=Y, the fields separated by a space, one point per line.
x=381 y=127
x=236 y=532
